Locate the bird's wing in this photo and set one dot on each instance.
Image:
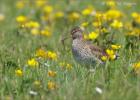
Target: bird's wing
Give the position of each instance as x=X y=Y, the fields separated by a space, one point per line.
x=97 y=51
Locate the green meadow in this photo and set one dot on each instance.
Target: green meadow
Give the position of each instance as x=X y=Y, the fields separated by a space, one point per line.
x=36 y=63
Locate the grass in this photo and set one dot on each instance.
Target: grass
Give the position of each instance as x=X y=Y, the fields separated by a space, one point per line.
x=17 y=46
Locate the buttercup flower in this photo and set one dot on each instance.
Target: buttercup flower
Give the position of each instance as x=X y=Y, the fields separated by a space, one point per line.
x=68 y=66
x=46 y=32
x=51 y=73
x=113 y=14
x=32 y=63
x=52 y=55
x=65 y=66
x=32 y=24
x=93 y=35
x=51 y=85
x=117 y=24
x=111 y=4
x=21 y=19
x=20 y=4
x=115 y=46
x=97 y=24
x=136 y=67
x=41 y=53
x=19 y=72
x=136 y=17
x=62 y=64
x=99 y=16
x=84 y=24
x=104 y=30
x=87 y=11
x=40 y=3
x=74 y=16
x=111 y=54
x=104 y=58
x=37 y=83
x=35 y=31
x=48 y=9
x=59 y=14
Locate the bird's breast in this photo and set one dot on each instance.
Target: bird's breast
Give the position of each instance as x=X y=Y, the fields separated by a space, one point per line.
x=81 y=52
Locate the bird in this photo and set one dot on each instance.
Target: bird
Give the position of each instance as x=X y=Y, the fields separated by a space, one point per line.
x=84 y=52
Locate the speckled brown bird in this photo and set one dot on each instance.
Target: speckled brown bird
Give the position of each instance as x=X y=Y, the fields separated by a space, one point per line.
x=85 y=52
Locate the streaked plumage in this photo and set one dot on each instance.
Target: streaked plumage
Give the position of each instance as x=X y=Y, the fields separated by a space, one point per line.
x=83 y=51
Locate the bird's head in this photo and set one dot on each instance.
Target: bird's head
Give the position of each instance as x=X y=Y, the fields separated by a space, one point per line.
x=76 y=33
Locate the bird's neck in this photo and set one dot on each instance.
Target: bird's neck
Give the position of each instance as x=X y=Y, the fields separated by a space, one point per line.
x=79 y=37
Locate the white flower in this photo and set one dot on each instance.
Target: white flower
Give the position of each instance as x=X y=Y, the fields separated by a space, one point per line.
x=47 y=64
x=99 y=90
x=32 y=92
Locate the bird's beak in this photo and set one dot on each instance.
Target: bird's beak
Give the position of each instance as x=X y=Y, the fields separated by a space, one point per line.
x=63 y=40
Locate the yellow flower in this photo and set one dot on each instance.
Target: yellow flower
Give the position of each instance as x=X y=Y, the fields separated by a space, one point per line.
x=131 y=33
x=8 y=97
x=32 y=63
x=20 y=4
x=46 y=32
x=65 y=65
x=45 y=17
x=138 y=20
x=68 y=66
x=48 y=9
x=99 y=16
x=32 y=24
x=111 y=54
x=40 y=3
x=135 y=15
x=51 y=85
x=136 y=67
x=128 y=25
x=93 y=35
x=104 y=30
x=111 y=4
x=84 y=24
x=46 y=54
x=62 y=65
x=51 y=73
x=52 y=55
x=97 y=24
x=115 y=46
x=112 y=57
x=113 y=14
x=41 y=53
x=117 y=24
x=2 y=17
x=74 y=16
x=59 y=14
x=19 y=72
x=136 y=31
x=87 y=11
x=37 y=83
x=21 y=19
x=35 y=31
x=104 y=58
